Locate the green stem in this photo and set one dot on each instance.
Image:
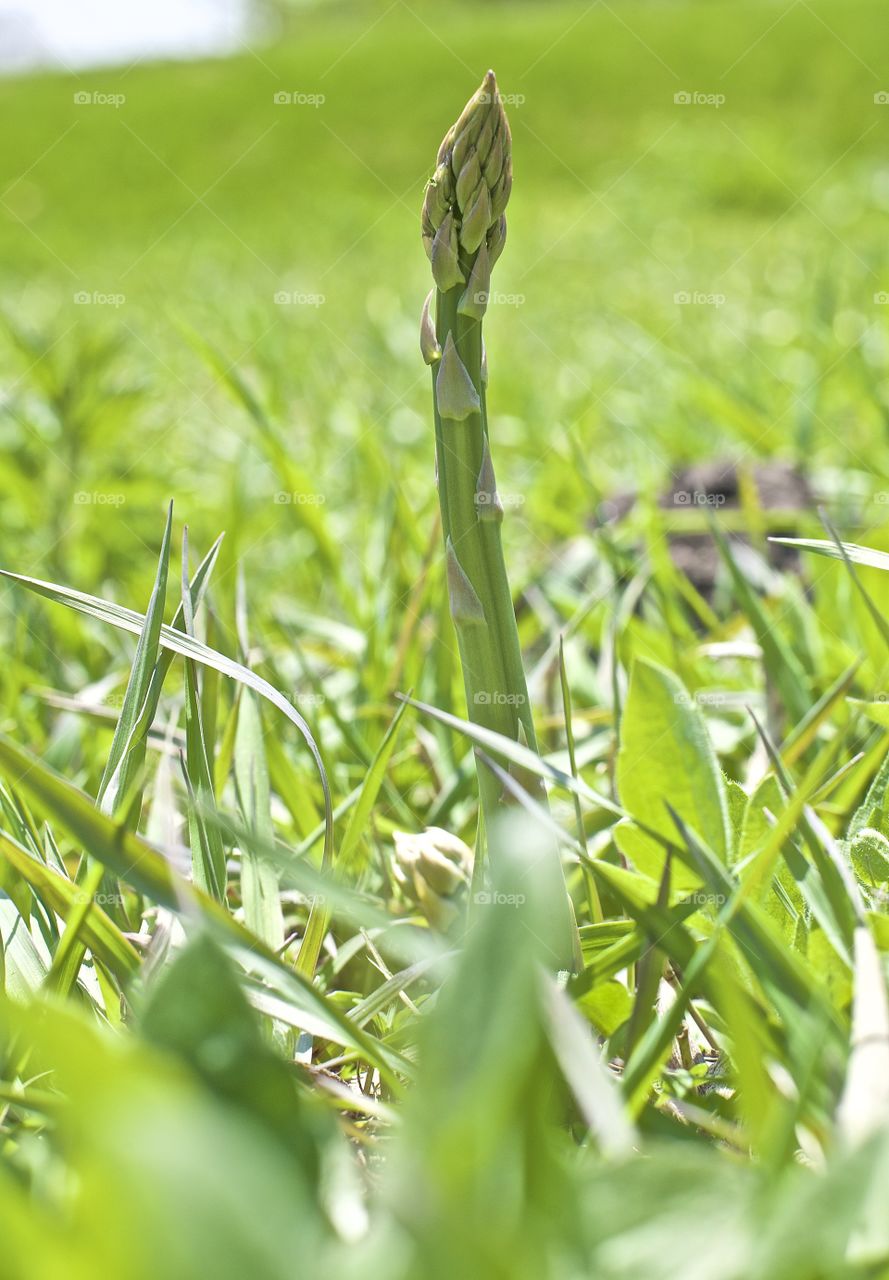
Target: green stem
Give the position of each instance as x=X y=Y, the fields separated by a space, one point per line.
x=495 y=686
x=464 y=231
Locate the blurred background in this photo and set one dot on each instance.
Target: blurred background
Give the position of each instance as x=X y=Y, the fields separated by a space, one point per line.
x=211 y=270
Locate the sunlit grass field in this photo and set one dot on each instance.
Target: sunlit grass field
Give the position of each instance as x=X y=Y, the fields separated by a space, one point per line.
x=211 y=278
x=199 y=199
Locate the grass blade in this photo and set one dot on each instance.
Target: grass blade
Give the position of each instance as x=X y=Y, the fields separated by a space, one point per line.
x=319 y=915
x=99 y=932
x=188 y=647
x=127 y=754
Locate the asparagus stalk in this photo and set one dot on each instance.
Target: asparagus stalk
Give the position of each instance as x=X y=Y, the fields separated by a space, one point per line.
x=464 y=231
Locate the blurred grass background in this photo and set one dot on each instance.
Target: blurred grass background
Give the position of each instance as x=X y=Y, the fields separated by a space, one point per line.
x=200 y=198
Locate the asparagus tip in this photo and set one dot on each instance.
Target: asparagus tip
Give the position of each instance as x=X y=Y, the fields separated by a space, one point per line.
x=469 y=190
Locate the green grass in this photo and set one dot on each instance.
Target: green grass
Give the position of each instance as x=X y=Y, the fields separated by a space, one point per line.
x=248 y=1032
x=624 y=200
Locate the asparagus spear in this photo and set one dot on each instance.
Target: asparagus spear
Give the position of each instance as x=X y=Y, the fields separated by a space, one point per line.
x=464 y=231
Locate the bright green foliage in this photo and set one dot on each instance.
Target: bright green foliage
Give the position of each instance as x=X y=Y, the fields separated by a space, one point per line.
x=260 y=1016
x=667 y=762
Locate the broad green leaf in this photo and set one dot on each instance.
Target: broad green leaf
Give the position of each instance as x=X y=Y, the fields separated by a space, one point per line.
x=874 y=808
x=666 y=758
x=608 y=1006
x=869 y=851
x=736 y=804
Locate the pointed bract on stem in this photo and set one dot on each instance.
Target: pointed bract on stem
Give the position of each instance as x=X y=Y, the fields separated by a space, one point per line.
x=474 y=302
x=464 y=231
x=466 y=608
x=445 y=254
x=429 y=344
x=454 y=389
x=487 y=499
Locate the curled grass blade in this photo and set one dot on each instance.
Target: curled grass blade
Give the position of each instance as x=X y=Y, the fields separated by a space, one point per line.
x=127 y=754
x=207 y=852
x=523 y=757
x=187 y=646
x=99 y=932
x=133 y=859
x=839 y=551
